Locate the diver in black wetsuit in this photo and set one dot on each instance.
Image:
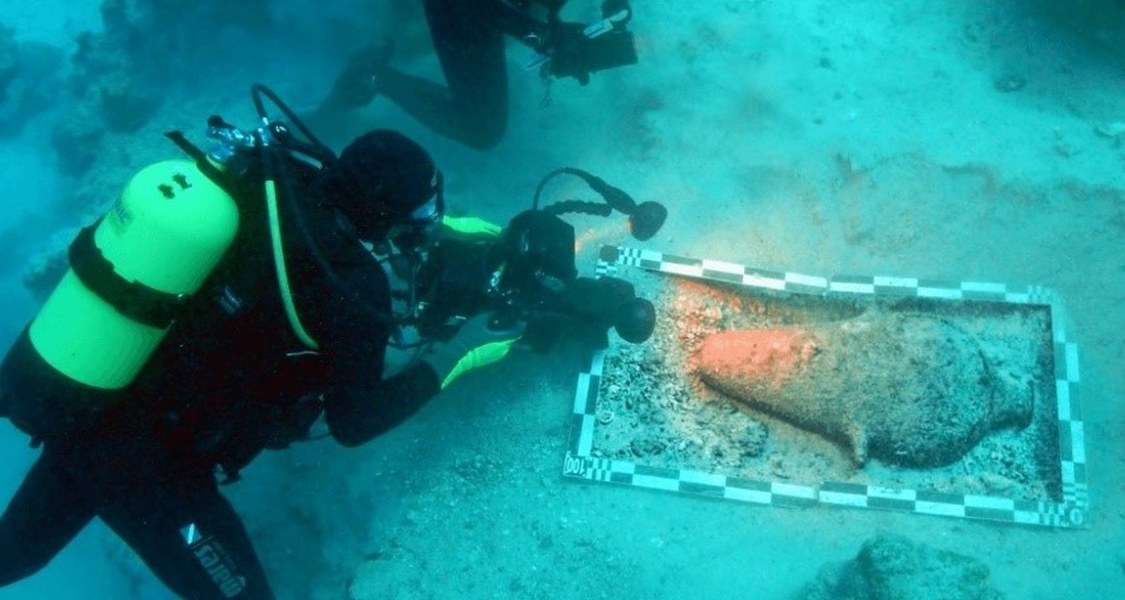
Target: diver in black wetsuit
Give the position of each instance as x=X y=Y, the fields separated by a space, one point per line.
x=232 y=377
x=468 y=36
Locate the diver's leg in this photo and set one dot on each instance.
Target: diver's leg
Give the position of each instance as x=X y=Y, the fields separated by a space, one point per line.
x=46 y=513
x=358 y=84
x=191 y=538
x=473 y=109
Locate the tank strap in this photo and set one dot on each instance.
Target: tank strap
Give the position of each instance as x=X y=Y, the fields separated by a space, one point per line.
x=132 y=299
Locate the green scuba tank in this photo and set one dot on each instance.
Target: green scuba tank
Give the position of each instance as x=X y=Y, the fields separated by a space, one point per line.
x=131 y=272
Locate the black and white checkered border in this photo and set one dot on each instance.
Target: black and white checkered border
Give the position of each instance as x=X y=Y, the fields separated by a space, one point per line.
x=1070 y=513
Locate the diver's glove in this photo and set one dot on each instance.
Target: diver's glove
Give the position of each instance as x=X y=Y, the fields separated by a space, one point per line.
x=576 y=51
x=481 y=341
x=570 y=53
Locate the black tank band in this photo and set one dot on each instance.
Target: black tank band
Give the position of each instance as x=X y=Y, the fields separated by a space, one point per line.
x=132 y=299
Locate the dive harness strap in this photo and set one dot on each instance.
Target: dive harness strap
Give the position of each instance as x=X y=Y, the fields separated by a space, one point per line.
x=132 y=299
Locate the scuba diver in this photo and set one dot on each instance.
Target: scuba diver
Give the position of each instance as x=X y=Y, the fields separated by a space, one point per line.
x=224 y=304
x=468 y=36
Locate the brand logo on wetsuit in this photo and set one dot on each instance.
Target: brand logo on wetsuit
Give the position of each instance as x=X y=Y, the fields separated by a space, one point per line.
x=214 y=559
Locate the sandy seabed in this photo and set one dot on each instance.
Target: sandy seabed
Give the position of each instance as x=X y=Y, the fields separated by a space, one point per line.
x=954 y=141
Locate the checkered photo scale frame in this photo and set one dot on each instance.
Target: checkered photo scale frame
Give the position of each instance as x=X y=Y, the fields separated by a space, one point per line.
x=1070 y=513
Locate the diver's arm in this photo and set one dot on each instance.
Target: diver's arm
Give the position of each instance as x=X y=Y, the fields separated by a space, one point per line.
x=360 y=403
x=357 y=413
x=352 y=328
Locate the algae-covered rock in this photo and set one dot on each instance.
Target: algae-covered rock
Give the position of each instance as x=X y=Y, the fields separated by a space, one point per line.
x=77 y=139
x=9 y=59
x=891 y=567
x=28 y=80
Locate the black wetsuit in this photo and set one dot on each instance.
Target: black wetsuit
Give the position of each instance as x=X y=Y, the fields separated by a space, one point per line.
x=230 y=379
x=468 y=36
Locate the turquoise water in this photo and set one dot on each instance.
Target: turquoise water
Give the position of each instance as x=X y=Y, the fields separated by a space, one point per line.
x=954 y=141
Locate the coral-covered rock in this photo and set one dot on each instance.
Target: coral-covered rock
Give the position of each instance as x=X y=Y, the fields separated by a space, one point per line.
x=28 y=80
x=76 y=139
x=9 y=59
x=889 y=567
x=108 y=82
x=125 y=105
x=48 y=265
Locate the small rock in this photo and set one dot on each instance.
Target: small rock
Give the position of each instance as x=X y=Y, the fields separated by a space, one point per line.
x=752 y=440
x=1009 y=82
x=891 y=566
x=1113 y=131
x=1066 y=149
